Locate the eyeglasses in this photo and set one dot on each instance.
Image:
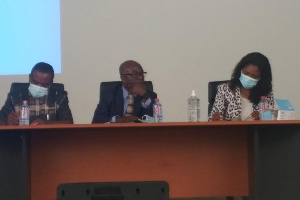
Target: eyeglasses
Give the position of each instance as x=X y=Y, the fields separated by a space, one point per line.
x=137 y=75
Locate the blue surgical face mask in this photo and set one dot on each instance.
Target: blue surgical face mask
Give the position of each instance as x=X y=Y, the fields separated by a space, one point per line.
x=247 y=82
x=37 y=91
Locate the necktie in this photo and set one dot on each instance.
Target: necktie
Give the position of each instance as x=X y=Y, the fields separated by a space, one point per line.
x=129 y=110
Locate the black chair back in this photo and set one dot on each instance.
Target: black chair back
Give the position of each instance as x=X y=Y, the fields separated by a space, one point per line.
x=112 y=84
x=212 y=91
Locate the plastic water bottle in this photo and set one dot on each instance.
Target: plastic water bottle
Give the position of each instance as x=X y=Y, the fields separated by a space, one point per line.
x=193 y=108
x=262 y=107
x=264 y=113
x=24 y=114
x=157 y=111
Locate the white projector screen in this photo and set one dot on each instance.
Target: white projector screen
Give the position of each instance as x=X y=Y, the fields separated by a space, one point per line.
x=30 y=33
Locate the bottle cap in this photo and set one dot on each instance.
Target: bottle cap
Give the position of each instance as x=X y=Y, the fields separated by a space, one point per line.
x=193 y=93
x=156 y=100
x=262 y=97
x=24 y=101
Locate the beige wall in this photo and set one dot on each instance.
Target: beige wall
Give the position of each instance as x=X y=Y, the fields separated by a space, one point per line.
x=182 y=44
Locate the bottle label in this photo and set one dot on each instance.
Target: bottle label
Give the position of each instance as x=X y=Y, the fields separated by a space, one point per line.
x=24 y=115
x=263 y=107
x=193 y=116
x=157 y=113
x=157 y=109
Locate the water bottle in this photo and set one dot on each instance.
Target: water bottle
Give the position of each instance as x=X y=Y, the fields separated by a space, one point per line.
x=262 y=107
x=264 y=113
x=193 y=108
x=24 y=114
x=157 y=111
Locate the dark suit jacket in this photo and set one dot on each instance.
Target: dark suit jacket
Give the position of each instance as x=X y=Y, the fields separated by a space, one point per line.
x=112 y=104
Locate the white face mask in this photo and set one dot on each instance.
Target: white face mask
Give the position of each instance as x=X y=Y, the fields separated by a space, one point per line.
x=37 y=91
x=247 y=82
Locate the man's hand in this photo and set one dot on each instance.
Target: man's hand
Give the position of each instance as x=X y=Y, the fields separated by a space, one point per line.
x=138 y=89
x=217 y=117
x=13 y=119
x=38 y=122
x=127 y=119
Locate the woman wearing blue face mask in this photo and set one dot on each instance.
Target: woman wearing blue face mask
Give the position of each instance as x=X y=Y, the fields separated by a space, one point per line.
x=238 y=99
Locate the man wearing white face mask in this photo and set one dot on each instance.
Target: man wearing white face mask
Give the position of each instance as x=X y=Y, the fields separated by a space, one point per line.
x=48 y=105
x=238 y=99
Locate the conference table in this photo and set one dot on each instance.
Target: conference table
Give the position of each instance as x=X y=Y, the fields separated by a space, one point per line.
x=259 y=160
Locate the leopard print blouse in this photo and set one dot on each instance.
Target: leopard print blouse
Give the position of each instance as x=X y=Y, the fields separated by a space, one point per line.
x=228 y=102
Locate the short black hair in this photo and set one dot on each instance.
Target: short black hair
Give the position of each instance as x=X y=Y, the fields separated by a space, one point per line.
x=264 y=85
x=43 y=67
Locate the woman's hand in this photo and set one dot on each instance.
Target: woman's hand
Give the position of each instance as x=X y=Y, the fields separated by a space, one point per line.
x=217 y=117
x=254 y=115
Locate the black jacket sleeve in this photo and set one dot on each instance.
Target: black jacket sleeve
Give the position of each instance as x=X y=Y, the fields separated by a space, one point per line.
x=64 y=112
x=6 y=109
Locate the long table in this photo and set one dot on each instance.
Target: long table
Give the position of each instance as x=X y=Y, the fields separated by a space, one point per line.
x=260 y=160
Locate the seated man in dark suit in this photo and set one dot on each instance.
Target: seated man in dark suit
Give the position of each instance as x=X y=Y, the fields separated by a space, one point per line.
x=128 y=101
x=47 y=105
